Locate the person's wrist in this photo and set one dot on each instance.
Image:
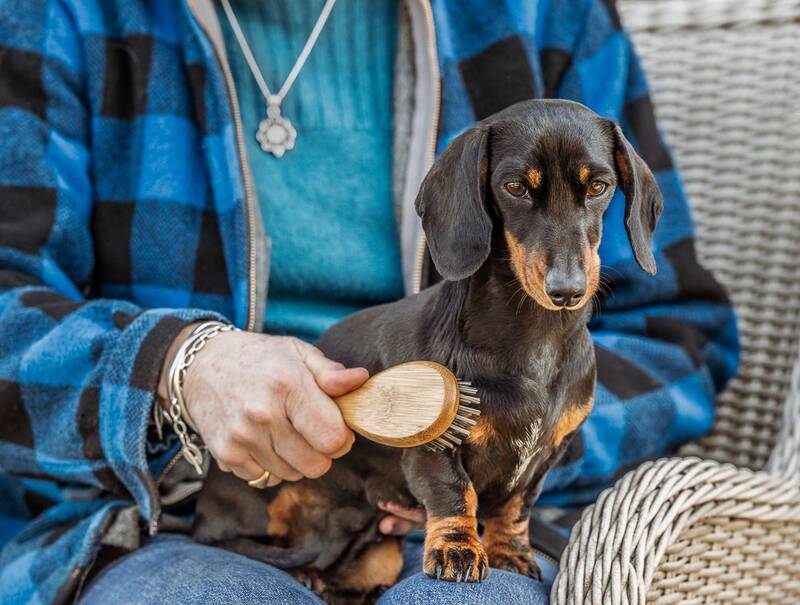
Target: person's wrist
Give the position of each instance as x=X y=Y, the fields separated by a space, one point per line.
x=175 y=376
x=163 y=397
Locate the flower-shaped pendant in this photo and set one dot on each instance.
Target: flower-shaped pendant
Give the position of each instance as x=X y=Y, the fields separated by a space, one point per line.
x=276 y=134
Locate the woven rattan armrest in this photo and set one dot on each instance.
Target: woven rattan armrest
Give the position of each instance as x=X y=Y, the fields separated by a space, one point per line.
x=685 y=530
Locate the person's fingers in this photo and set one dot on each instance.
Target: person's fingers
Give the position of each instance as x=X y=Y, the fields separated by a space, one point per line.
x=331 y=376
x=340 y=381
x=297 y=452
x=395 y=526
x=414 y=515
x=250 y=456
x=264 y=453
x=345 y=448
x=247 y=470
x=317 y=418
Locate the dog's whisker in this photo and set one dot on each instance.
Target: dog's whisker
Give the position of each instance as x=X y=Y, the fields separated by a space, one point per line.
x=521 y=303
x=609 y=268
x=605 y=287
x=513 y=296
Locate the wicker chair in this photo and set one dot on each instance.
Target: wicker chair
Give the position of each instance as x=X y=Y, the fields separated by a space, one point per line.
x=721 y=523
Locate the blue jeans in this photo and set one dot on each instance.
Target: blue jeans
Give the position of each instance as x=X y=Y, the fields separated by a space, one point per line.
x=170 y=568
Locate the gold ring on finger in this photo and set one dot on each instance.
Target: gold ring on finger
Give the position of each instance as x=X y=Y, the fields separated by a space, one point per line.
x=261 y=482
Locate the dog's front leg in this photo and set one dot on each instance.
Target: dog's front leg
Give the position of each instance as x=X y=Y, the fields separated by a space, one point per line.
x=506 y=537
x=453 y=550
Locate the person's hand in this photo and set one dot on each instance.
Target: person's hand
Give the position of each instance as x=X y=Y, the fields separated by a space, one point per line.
x=264 y=403
x=400 y=520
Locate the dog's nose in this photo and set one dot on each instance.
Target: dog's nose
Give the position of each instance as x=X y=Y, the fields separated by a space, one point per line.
x=568 y=297
x=564 y=290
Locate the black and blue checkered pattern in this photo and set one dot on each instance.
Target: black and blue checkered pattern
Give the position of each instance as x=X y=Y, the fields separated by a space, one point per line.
x=122 y=218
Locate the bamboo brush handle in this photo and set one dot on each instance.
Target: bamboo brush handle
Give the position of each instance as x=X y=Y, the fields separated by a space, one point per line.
x=404 y=406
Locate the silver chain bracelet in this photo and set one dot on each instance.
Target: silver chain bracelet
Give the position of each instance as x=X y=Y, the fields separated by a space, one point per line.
x=178 y=414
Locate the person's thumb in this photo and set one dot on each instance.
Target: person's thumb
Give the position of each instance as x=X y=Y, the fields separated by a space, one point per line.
x=332 y=377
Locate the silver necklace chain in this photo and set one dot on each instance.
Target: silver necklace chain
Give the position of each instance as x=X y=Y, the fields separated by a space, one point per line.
x=276 y=134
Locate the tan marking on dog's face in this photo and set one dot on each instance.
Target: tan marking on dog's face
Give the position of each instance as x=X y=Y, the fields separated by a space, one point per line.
x=530 y=271
x=379 y=565
x=591 y=266
x=570 y=420
x=482 y=432
x=535 y=178
x=583 y=174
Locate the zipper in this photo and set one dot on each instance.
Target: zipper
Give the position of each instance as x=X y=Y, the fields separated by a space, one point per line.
x=152 y=528
x=80 y=574
x=431 y=154
x=170 y=465
x=154 y=523
x=251 y=217
x=249 y=189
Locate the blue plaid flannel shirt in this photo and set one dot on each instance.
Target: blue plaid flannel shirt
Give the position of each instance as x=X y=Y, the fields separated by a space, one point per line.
x=122 y=218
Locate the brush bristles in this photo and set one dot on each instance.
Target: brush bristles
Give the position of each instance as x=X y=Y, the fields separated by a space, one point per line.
x=465 y=419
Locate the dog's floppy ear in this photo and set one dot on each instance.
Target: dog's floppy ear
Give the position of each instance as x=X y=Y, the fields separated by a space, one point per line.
x=452 y=207
x=643 y=199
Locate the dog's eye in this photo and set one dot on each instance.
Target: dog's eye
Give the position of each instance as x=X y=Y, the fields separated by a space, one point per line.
x=596 y=188
x=516 y=189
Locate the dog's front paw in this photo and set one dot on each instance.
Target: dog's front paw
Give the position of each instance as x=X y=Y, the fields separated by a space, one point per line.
x=456 y=557
x=515 y=556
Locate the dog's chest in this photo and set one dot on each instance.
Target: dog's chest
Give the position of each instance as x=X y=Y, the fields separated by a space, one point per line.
x=512 y=436
x=525 y=447
x=497 y=470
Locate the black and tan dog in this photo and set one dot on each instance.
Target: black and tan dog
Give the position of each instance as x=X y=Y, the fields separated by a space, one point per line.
x=513 y=214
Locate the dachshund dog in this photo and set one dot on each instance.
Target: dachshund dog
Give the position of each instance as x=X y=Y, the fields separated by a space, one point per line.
x=513 y=216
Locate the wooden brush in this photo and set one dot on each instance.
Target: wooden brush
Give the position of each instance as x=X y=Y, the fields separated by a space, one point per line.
x=411 y=404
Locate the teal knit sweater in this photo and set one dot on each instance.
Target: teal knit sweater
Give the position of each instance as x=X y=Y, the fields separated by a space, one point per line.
x=326 y=204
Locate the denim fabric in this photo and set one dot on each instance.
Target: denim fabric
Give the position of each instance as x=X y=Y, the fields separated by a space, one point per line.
x=171 y=568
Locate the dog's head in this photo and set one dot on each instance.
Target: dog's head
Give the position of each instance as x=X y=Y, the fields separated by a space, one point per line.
x=539 y=175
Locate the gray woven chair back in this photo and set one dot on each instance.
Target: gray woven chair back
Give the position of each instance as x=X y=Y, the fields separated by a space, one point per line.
x=725 y=77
